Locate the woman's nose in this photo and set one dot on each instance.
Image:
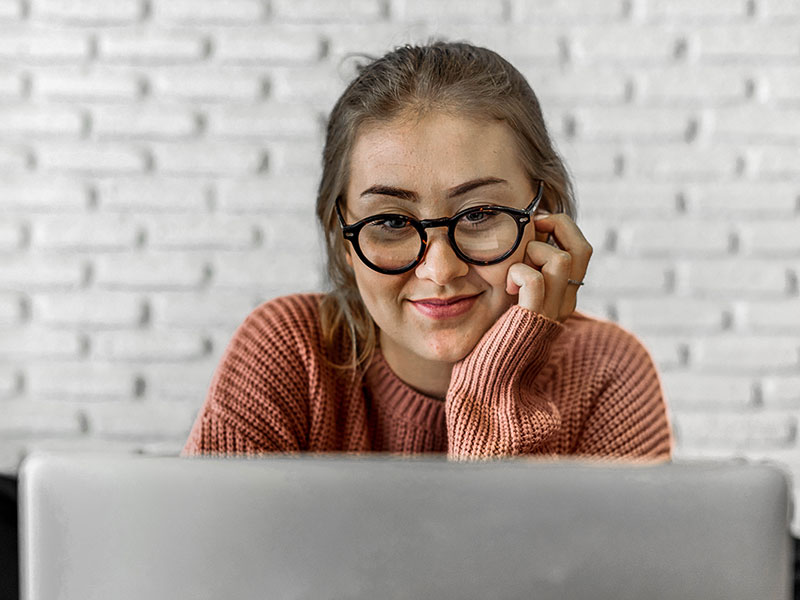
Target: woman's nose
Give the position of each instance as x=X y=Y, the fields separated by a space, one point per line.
x=440 y=263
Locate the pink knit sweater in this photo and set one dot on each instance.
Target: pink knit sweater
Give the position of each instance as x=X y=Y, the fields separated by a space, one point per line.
x=531 y=386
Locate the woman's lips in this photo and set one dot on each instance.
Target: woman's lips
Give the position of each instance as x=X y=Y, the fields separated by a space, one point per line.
x=444 y=308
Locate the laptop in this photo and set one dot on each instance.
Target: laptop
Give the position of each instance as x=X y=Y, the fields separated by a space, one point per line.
x=377 y=527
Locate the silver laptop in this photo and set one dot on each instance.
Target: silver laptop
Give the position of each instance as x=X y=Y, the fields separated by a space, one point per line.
x=325 y=527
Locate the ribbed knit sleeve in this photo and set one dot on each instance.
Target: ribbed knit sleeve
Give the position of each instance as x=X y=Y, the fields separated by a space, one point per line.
x=492 y=406
x=258 y=398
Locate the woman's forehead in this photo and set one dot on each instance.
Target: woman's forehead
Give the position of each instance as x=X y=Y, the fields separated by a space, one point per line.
x=438 y=151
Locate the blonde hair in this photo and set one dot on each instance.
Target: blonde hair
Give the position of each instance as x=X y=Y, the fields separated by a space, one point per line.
x=440 y=76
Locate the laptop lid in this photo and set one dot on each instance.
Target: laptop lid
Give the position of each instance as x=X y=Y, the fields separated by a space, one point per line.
x=333 y=527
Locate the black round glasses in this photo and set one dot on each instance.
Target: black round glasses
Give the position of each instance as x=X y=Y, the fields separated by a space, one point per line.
x=481 y=235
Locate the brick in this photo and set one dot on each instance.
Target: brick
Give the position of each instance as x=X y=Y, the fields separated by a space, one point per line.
x=90 y=157
x=778 y=9
x=627 y=275
x=627 y=199
x=35 y=342
x=266 y=195
x=267 y=45
x=50 y=194
x=668 y=351
x=770 y=316
x=305 y=237
x=594 y=306
x=296 y=157
x=775 y=161
x=288 y=120
x=595 y=86
x=571 y=11
x=781 y=392
x=476 y=11
x=722 y=277
x=10 y=9
x=684 y=11
x=84 y=232
x=9 y=382
x=203 y=84
x=742 y=199
x=179 y=382
x=599 y=233
x=221 y=232
x=153 y=122
x=670 y=314
x=208 y=11
x=739 y=430
x=318 y=86
x=85 y=85
x=44 y=46
x=22 y=418
x=625 y=123
x=84 y=381
x=745 y=43
x=588 y=160
x=622 y=44
x=82 y=445
x=141 y=421
x=701 y=85
x=344 y=40
x=770 y=238
x=151 y=47
x=758 y=123
x=207 y=158
x=746 y=353
x=781 y=83
x=147 y=346
x=152 y=194
x=193 y=309
x=149 y=271
x=10 y=86
x=266 y=271
x=520 y=46
x=88 y=308
x=11 y=236
x=88 y=12
x=687 y=391
x=326 y=12
x=11 y=312
x=40 y=121
x=13 y=159
x=40 y=272
x=674 y=237
x=681 y=162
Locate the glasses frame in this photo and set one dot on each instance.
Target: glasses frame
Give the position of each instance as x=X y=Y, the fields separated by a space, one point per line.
x=521 y=216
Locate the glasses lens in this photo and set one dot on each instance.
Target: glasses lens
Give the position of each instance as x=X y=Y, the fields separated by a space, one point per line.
x=486 y=234
x=390 y=243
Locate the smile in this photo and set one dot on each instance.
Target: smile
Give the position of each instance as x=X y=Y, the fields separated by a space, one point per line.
x=445 y=308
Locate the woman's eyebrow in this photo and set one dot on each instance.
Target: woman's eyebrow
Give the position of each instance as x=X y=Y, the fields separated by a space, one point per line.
x=462 y=188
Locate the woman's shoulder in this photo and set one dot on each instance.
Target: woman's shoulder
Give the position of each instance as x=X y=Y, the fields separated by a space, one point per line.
x=604 y=340
x=285 y=318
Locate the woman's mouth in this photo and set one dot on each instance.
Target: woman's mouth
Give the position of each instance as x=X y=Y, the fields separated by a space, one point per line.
x=445 y=308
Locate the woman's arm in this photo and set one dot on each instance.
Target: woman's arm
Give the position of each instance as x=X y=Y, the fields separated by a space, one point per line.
x=258 y=398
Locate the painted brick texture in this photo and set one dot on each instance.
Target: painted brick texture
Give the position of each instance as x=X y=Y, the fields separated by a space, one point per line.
x=159 y=161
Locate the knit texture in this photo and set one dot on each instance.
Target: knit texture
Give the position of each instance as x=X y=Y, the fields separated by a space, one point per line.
x=531 y=386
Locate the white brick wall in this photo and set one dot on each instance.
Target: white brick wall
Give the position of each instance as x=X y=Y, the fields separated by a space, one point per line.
x=153 y=155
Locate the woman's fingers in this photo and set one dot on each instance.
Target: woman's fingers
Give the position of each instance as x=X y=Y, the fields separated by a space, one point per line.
x=555 y=266
x=572 y=241
x=529 y=284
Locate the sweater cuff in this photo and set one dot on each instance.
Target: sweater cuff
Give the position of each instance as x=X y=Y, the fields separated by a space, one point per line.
x=520 y=341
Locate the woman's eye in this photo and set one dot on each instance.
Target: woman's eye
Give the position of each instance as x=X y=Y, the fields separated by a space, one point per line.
x=480 y=216
x=393 y=223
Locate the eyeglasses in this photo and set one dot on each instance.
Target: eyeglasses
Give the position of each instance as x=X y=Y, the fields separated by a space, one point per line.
x=481 y=235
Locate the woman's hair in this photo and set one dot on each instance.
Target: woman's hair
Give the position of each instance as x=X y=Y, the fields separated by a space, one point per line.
x=452 y=77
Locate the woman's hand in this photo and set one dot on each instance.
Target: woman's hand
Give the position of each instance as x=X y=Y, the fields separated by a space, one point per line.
x=542 y=279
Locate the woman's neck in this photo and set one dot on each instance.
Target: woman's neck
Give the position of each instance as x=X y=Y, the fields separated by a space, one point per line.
x=428 y=377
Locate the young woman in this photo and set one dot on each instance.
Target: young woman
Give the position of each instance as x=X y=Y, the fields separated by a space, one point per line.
x=454 y=265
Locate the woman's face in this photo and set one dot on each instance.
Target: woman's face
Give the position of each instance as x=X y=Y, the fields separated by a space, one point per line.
x=429 y=168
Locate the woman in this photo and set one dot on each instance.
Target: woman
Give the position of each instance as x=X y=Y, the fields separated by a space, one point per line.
x=455 y=266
